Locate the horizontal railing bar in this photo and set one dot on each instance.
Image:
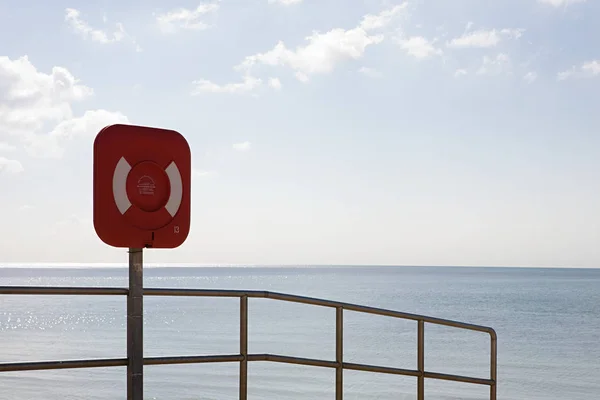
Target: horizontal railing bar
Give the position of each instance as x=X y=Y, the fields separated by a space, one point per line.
x=70 y=364
x=117 y=362
x=458 y=378
x=120 y=362
x=204 y=292
x=239 y=293
x=192 y=359
x=55 y=290
x=381 y=370
x=292 y=360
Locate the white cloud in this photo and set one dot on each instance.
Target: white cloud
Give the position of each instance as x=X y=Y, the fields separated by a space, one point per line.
x=29 y=98
x=73 y=17
x=5 y=147
x=588 y=69
x=321 y=55
x=373 y=22
x=275 y=83
x=419 y=47
x=33 y=103
x=243 y=146
x=285 y=2
x=530 y=77
x=591 y=67
x=248 y=84
x=183 y=18
x=560 y=3
x=50 y=145
x=563 y=75
x=325 y=50
x=91 y=121
x=495 y=66
x=82 y=28
x=484 y=38
x=460 y=72
x=302 y=77
x=10 y=166
x=370 y=72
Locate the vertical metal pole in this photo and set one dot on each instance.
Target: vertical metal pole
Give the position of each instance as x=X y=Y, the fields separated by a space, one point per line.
x=494 y=366
x=421 y=360
x=135 y=325
x=339 y=353
x=244 y=347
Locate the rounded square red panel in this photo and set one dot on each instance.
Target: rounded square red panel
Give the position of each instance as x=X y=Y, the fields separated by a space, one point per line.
x=142 y=185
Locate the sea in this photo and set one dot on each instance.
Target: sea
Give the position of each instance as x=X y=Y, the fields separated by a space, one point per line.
x=547 y=321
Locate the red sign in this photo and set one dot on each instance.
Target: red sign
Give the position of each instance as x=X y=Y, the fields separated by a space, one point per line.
x=142 y=182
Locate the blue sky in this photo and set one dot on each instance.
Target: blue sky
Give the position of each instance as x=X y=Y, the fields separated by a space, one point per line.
x=322 y=132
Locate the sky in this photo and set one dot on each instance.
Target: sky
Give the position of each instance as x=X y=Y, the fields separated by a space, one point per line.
x=371 y=132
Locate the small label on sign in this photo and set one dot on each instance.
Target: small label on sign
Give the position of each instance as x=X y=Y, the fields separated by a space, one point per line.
x=146 y=186
x=176 y=229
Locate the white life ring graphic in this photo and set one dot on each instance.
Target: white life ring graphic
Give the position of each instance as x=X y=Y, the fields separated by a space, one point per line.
x=122 y=201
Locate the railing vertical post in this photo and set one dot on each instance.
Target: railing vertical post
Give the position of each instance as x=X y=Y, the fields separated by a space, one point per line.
x=493 y=366
x=244 y=347
x=339 y=353
x=421 y=360
x=135 y=326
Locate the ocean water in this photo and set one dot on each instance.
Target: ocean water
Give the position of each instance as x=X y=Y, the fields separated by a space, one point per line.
x=547 y=320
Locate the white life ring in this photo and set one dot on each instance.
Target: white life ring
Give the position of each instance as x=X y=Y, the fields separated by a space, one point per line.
x=122 y=201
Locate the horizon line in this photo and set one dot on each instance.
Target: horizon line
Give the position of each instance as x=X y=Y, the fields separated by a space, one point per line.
x=74 y=265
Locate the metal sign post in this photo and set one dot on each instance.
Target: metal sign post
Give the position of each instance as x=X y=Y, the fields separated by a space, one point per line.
x=135 y=326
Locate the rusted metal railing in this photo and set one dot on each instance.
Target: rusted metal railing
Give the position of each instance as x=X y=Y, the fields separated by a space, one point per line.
x=244 y=357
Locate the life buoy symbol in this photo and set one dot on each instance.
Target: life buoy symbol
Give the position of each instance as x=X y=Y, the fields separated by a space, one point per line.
x=147 y=190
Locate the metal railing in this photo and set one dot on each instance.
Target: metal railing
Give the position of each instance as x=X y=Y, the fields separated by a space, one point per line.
x=244 y=357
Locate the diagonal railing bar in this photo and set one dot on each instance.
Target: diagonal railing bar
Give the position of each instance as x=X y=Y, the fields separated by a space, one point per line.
x=244 y=357
x=44 y=290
